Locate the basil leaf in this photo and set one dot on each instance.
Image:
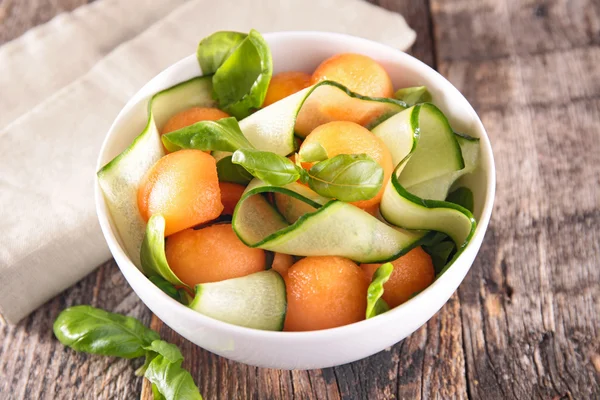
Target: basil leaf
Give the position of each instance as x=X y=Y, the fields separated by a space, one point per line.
x=166 y=349
x=440 y=253
x=413 y=95
x=95 y=331
x=375 y=304
x=215 y=49
x=172 y=381
x=165 y=286
x=241 y=82
x=152 y=254
x=312 y=152
x=223 y=135
x=230 y=172
x=156 y=395
x=269 y=167
x=346 y=177
x=463 y=197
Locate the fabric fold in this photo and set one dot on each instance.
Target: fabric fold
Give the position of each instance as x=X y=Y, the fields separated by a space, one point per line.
x=50 y=234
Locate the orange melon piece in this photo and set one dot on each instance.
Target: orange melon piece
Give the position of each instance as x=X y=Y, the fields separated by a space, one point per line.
x=182 y=186
x=230 y=196
x=282 y=263
x=359 y=73
x=342 y=137
x=284 y=84
x=324 y=292
x=191 y=116
x=412 y=273
x=211 y=254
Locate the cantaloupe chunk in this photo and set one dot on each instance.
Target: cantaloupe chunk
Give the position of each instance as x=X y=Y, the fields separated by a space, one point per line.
x=412 y=273
x=284 y=84
x=211 y=254
x=182 y=186
x=230 y=195
x=343 y=137
x=324 y=292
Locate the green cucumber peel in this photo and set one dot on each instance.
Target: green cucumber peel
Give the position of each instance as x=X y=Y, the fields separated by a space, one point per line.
x=152 y=255
x=221 y=135
x=241 y=81
x=413 y=95
x=375 y=304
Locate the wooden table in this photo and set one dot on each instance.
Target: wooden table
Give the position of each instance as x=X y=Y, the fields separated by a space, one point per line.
x=524 y=324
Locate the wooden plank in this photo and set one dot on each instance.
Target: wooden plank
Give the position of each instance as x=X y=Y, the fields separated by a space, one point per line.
x=530 y=306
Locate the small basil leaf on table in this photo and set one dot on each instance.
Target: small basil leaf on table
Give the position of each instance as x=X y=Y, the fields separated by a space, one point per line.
x=312 y=152
x=463 y=197
x=346 y=177
x=375 y=304
x=240 y=84
x=95 y=331
x=215 y=49
x=269 y=167
x=222 y=135
x=172 y=381
x=152 y=254
x=230 y=172
x=413 y=95
x=156 y=395
x=165 y=349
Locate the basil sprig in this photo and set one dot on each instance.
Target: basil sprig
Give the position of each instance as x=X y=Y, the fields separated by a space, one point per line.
x=215 y=49
x=242 y=66
x=222 y=135
x=95 y=331
x=375 y=304
x=346 y=177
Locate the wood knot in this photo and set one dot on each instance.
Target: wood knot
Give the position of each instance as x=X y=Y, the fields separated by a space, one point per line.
x=540 y=11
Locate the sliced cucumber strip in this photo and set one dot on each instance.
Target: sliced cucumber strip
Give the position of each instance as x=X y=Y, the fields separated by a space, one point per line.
x=121 y=177
x=272 y=128
x=339 y=228
x=336 y=228
x=255 y=301
x=438 y=188
x=437 y=153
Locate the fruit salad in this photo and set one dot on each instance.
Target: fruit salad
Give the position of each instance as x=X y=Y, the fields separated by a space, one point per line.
x=295 y=201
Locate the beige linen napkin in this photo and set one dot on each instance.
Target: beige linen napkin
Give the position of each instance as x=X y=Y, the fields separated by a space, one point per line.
x=50 y=237
x=53 y=55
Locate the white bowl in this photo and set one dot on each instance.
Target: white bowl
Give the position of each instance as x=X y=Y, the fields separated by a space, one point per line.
x=325 y=348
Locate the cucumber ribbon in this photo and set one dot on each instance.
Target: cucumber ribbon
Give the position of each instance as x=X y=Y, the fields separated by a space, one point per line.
x=428 y=155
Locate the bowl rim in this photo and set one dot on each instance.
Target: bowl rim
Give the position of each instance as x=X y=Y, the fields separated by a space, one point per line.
x=304 y=336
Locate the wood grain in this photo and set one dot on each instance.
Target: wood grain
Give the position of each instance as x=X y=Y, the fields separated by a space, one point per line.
x=525 y=322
